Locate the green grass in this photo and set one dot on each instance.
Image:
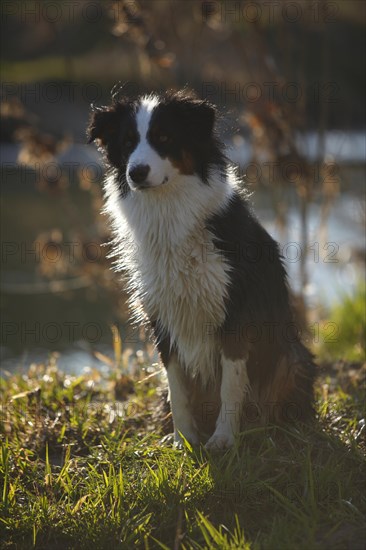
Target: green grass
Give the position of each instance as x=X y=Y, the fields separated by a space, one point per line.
x=343 y=336
x=80 y=470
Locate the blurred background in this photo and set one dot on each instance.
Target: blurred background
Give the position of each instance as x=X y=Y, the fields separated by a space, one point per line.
x=288 y=79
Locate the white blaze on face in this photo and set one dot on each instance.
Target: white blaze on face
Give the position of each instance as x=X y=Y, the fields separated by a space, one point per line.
x=161 y=170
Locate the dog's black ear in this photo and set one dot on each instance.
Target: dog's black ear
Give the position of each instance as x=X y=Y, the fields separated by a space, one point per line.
x=203 y=117
x=198 y=114
x=102 y=125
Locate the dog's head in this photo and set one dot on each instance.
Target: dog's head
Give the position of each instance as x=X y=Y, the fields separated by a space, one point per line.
x=154 y=140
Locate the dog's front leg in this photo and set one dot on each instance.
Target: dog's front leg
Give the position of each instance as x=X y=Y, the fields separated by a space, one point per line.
x=180 y=403
x=234 y=388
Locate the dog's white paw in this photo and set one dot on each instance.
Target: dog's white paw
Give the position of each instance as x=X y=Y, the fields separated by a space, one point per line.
x=220 y=442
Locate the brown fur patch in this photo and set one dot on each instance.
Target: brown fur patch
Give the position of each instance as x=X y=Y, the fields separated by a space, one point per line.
x=185 y=165
x=234 y=345
x=287 y=398
x=282 y=387
x=284 y=381
x=205 y=404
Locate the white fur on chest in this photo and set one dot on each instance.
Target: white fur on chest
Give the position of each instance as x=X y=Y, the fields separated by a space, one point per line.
x=175 y=271
x=185 y=289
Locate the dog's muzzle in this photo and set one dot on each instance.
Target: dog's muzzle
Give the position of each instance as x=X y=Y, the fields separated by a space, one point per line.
x=138 y=175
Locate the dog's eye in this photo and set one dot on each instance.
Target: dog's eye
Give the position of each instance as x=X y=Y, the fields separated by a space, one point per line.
x=128 y=141
x=163 y=138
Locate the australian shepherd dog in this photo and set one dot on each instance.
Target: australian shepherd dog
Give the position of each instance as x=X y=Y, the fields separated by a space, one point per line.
x=201 y=270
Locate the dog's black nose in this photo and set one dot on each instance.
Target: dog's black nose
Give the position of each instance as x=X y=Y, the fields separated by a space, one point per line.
x=139 y=173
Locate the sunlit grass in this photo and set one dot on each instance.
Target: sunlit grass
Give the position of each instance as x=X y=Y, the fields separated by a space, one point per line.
x=81 y=470
x=343 y=336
